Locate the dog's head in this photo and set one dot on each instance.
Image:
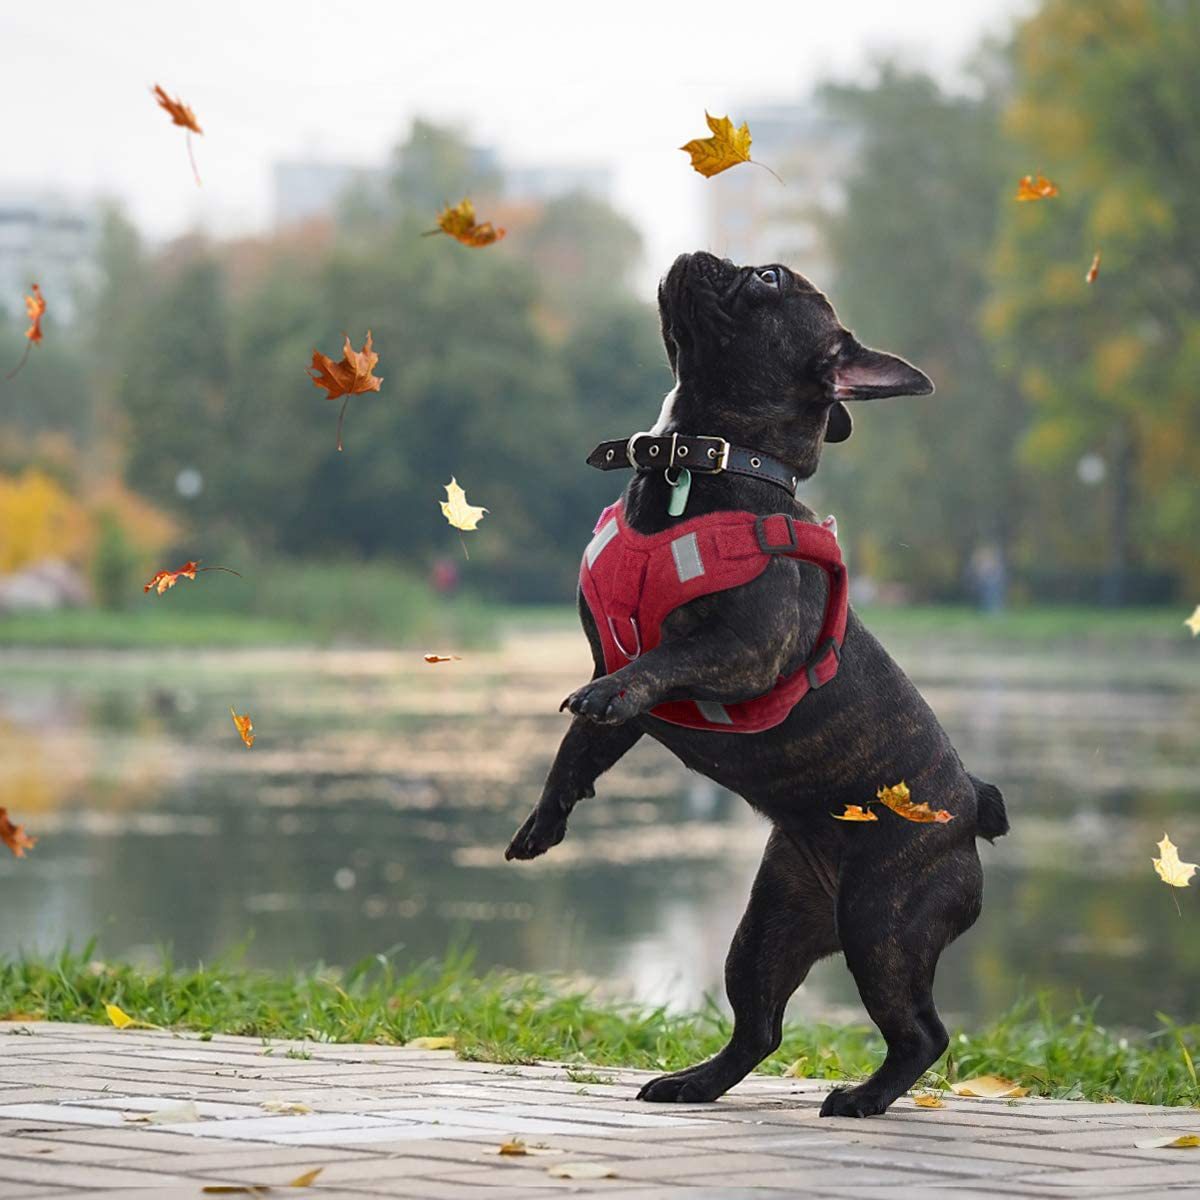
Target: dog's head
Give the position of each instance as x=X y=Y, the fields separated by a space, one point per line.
x=761 y=349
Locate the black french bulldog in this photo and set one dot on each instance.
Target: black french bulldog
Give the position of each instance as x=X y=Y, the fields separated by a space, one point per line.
x=760 y=359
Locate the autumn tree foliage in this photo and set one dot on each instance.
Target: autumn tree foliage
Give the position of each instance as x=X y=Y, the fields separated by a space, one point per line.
x=1104 y=99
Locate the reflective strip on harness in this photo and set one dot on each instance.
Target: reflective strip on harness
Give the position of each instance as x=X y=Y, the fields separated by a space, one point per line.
x=710 y=710
x=686 y=552
x=604 y=535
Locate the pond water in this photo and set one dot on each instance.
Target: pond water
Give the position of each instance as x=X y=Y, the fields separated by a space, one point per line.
x=373 y=811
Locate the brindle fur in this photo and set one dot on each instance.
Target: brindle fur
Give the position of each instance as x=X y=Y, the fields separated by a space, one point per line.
x=769 y=368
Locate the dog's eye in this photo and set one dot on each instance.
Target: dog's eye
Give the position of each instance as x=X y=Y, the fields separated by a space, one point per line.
x=770 y=276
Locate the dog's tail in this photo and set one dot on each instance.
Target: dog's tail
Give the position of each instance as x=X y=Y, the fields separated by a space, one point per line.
x=991 y=820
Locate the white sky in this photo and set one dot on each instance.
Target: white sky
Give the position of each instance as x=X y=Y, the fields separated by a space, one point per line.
x=543 y=82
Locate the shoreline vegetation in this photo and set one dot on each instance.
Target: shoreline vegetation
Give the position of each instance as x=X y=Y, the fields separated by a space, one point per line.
x=504 y=1017
x=390 y=608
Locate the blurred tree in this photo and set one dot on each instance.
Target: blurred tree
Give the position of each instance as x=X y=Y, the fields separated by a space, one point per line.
x=1105 y=103
x=924 y=483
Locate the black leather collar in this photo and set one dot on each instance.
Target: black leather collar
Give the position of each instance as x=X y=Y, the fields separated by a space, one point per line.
x=701 y=455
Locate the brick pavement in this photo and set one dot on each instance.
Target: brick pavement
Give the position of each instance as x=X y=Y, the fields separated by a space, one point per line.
x=390 y=1121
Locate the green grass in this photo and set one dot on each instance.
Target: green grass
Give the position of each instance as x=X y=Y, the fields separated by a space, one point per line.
x=508 y=1018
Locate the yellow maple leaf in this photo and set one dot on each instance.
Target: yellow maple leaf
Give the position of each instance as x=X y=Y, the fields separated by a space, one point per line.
x=307 y=1179
x=1170 y=869
x=726 y=148
x=513 y=1148
x=854 y=812
x=431 y=1043
x=1185 y=1141
x=118 y=1016
x=928 y=1100
x=457 y=511
x=899 y=800
x=244 y=726
x=989 y=1087
x=1193 y=622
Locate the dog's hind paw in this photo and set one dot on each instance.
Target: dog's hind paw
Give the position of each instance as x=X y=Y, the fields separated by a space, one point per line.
x=692 y=1086
x=852 y=1102
x=546 y=826
x=607 y=701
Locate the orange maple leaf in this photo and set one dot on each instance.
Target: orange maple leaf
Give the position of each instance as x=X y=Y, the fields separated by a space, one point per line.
x=1094 y=269
x=165 y=580
x=458 y=220
x=350 y=377
x=14 y=836
x=855 y=812
x=438 y=658
x=180 y=115
x=899 y=800
x=35 y=306
x=1039 y=188
x=244 y=725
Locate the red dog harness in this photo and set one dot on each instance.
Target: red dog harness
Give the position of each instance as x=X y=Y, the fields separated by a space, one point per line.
x=632 y=581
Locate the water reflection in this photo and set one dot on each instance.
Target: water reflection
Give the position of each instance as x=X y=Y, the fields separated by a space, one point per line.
x=373 y=811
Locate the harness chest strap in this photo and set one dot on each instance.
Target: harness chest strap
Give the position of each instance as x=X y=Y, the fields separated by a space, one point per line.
x=632 y=588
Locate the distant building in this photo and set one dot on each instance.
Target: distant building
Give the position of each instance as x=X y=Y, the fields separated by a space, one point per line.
x=309 y=189
x=752 y=218
x=548 y=182
x=50 y=239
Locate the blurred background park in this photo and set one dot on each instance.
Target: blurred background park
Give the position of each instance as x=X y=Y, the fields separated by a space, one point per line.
x=1023 y=540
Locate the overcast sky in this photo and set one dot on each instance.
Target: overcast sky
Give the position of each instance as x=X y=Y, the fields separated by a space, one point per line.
x=543 y=82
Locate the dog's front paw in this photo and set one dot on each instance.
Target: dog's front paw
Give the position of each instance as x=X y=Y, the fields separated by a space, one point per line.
x=693 y=1086
x=852 y=1102
x=606 y=700
x=545 y=826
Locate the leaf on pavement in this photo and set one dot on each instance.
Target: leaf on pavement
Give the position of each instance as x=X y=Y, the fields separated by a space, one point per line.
x=989 y=1087
x=431 y=1043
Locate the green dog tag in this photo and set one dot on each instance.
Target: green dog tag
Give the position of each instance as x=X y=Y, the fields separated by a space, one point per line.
x=679 y=493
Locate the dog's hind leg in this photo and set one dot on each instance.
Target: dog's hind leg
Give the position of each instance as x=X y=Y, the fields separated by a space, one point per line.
x=586 y=752
x=892 y=938
x=787 y=926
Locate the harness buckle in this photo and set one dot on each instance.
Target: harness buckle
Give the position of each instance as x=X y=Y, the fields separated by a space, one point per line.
x=810 y=667
x=768 y=547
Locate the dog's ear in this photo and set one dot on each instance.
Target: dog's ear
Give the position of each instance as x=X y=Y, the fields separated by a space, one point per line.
x=839 y=426
x=860 y=373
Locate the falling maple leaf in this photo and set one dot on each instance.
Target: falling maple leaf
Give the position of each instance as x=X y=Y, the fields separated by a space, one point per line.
x=458 y=220
x=855 y=812
x=726 y=148
x=350 y=377
x=439 y=658
x=180 y=115
x=1039 y=188
x=989 y=1087
x=14 y=836
x=165 y=580
x=244 y=725
x=1170 y=869
x=1094 y=270
x=1193 y=622
x=928 y=1100
x=897 y=798
x=35 y=307
x=458 y=512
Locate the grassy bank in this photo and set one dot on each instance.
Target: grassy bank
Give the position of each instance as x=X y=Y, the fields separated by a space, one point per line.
x=508 y=1018
x=382 y=606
